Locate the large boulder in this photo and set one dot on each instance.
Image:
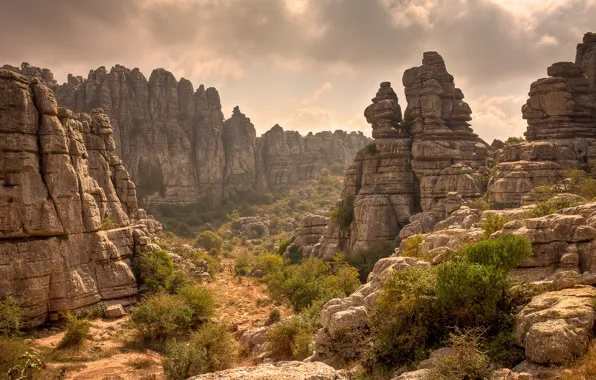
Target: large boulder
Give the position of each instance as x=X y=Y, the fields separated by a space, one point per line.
x=278 y=371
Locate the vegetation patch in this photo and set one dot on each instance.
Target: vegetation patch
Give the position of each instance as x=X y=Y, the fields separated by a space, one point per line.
x=492 y=224
x=77 y=329
x=12 y=316
x=343 y=215
x=365 y=259
x=209 y=240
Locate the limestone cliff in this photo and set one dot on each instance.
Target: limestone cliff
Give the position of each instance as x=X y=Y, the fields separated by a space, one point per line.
x=561 y=134
x=416 y=168
x=177 y=146
x=69 y=221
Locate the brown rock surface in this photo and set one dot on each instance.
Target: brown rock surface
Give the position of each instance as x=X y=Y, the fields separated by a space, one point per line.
x=278 y=371
x=66 y=204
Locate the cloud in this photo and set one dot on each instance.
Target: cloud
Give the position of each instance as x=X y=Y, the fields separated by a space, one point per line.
x=498 y=117
x=325 y=88
x=309 y=118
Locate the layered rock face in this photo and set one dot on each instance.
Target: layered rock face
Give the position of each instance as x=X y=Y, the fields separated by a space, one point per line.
x=177 y=146
x=69 y=221
x=561 y=133
x=420 y=164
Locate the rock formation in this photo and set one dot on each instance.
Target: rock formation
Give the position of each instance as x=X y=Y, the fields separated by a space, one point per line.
x=431 y=162
x=278 y=371
x=177 y=146
x=561 y=134
x=69 y=221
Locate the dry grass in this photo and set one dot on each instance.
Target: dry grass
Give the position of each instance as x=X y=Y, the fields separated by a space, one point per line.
x=584 y=368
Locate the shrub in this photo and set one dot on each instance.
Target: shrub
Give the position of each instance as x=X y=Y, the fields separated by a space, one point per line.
x=109 y=224
x=503 y=350
x=290 y=340
x=492 y=224
x=199 y=300
x=156 y=268
x=161 y=315
x=274 y=317
x=268 y=263
x=406 y=317
x=210 y=349
x=178 y=280
x=343 y=215
x=242 y=267
x=312 y=280
x=515 y=140
x=464 y=361
x=12 y=350
x=580 y=183
x=284 y=244
x=208 y=240
x=365 y=259
x=213 y=265
x=76 y=331
x=550 y=206
x=295 y=254
x=11 y=316
x=412 y=246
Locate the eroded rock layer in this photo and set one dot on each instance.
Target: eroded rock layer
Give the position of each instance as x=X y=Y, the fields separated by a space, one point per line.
x=69 y=221
x=561 y=133
x=177 y=146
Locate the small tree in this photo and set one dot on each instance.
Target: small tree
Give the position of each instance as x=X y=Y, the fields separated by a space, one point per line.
x=208 y=240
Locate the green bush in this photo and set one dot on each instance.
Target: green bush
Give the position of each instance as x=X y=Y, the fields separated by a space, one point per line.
x=343 y=215
x=492 y=224
x=200 y=301
x=268 y=263
x=464 y=361
x=580 y=183
x=515 y=140
x=178 y=280
x=284 y=244
x=162 y=315
x=550 y=206
x=208 y=240
x=312 y=280
x=412 y=246
x=12 y=316
x=109 y=224
x=406 y=317
x=210 y=349
x=242 y=267
x=372 y=149
x=290 y=340
x=365 y=259
x=503 y=350
x=274 y=317
x=76 y=331
x=12 y=350
x=156 y=269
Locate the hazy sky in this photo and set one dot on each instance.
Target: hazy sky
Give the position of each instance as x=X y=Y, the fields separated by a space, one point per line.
x=308 y=64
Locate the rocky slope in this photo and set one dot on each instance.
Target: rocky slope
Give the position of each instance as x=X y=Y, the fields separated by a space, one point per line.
x=414 y=165
x=69 y=221
x=177 y=145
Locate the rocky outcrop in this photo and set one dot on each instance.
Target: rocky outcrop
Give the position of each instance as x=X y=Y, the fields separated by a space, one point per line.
x=556 y=327
x=425 y=163
x=561 y=133
x=176 y=144
x=69 y=222
x=278 y=371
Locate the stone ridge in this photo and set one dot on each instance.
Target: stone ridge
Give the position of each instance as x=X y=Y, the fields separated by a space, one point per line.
x=69 y=221
x=419 y=169
x=177 y=146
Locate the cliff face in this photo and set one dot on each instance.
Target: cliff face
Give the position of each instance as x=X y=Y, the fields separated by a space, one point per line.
x=418 y=170
x=177 y=146
x=69 y=221
x=561 y=134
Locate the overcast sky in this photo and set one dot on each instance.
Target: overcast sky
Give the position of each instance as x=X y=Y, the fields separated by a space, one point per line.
x=308 y=65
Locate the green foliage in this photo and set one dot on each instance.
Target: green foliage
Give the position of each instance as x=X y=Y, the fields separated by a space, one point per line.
x=11 y=316
x=365 y=259
x=213 y=265
x=109 y=224
x=208 y=240
x=268 y=263
x=550 y=206
x=274 y=317
x=312 y=280
x=162 y=315
x=412 y=246
x=343 y=215
x=295 y=254
x=284 y=244
x=290 y=340
x=465 y=360
x=406 y=316
x=580 y=183
x=77 y=329
x=492 y=224
x=200 y=301
x=156 y=269
x=372 y=149
x=242 y=267
x=210 y=349
x=503 y=350
x=515 y=140
x=13 y=352
x=338 y=169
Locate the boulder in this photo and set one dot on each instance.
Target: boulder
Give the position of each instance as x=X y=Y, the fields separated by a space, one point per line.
x=278 y=371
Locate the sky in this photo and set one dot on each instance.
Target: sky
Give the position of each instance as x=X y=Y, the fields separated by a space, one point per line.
x=308 y=65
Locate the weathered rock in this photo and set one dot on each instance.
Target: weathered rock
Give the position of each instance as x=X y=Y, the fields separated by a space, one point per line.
x=557 y=326
x=307 y=236
x=278 y=371
x=114 y=311
x=251 y=227
x=421 y=374
x=66 y=204
x=239 y=137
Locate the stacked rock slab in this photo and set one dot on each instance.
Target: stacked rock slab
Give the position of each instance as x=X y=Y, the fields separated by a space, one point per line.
x=68 y=214
x=417 y=167
x=176 y=144
x=561 y=133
